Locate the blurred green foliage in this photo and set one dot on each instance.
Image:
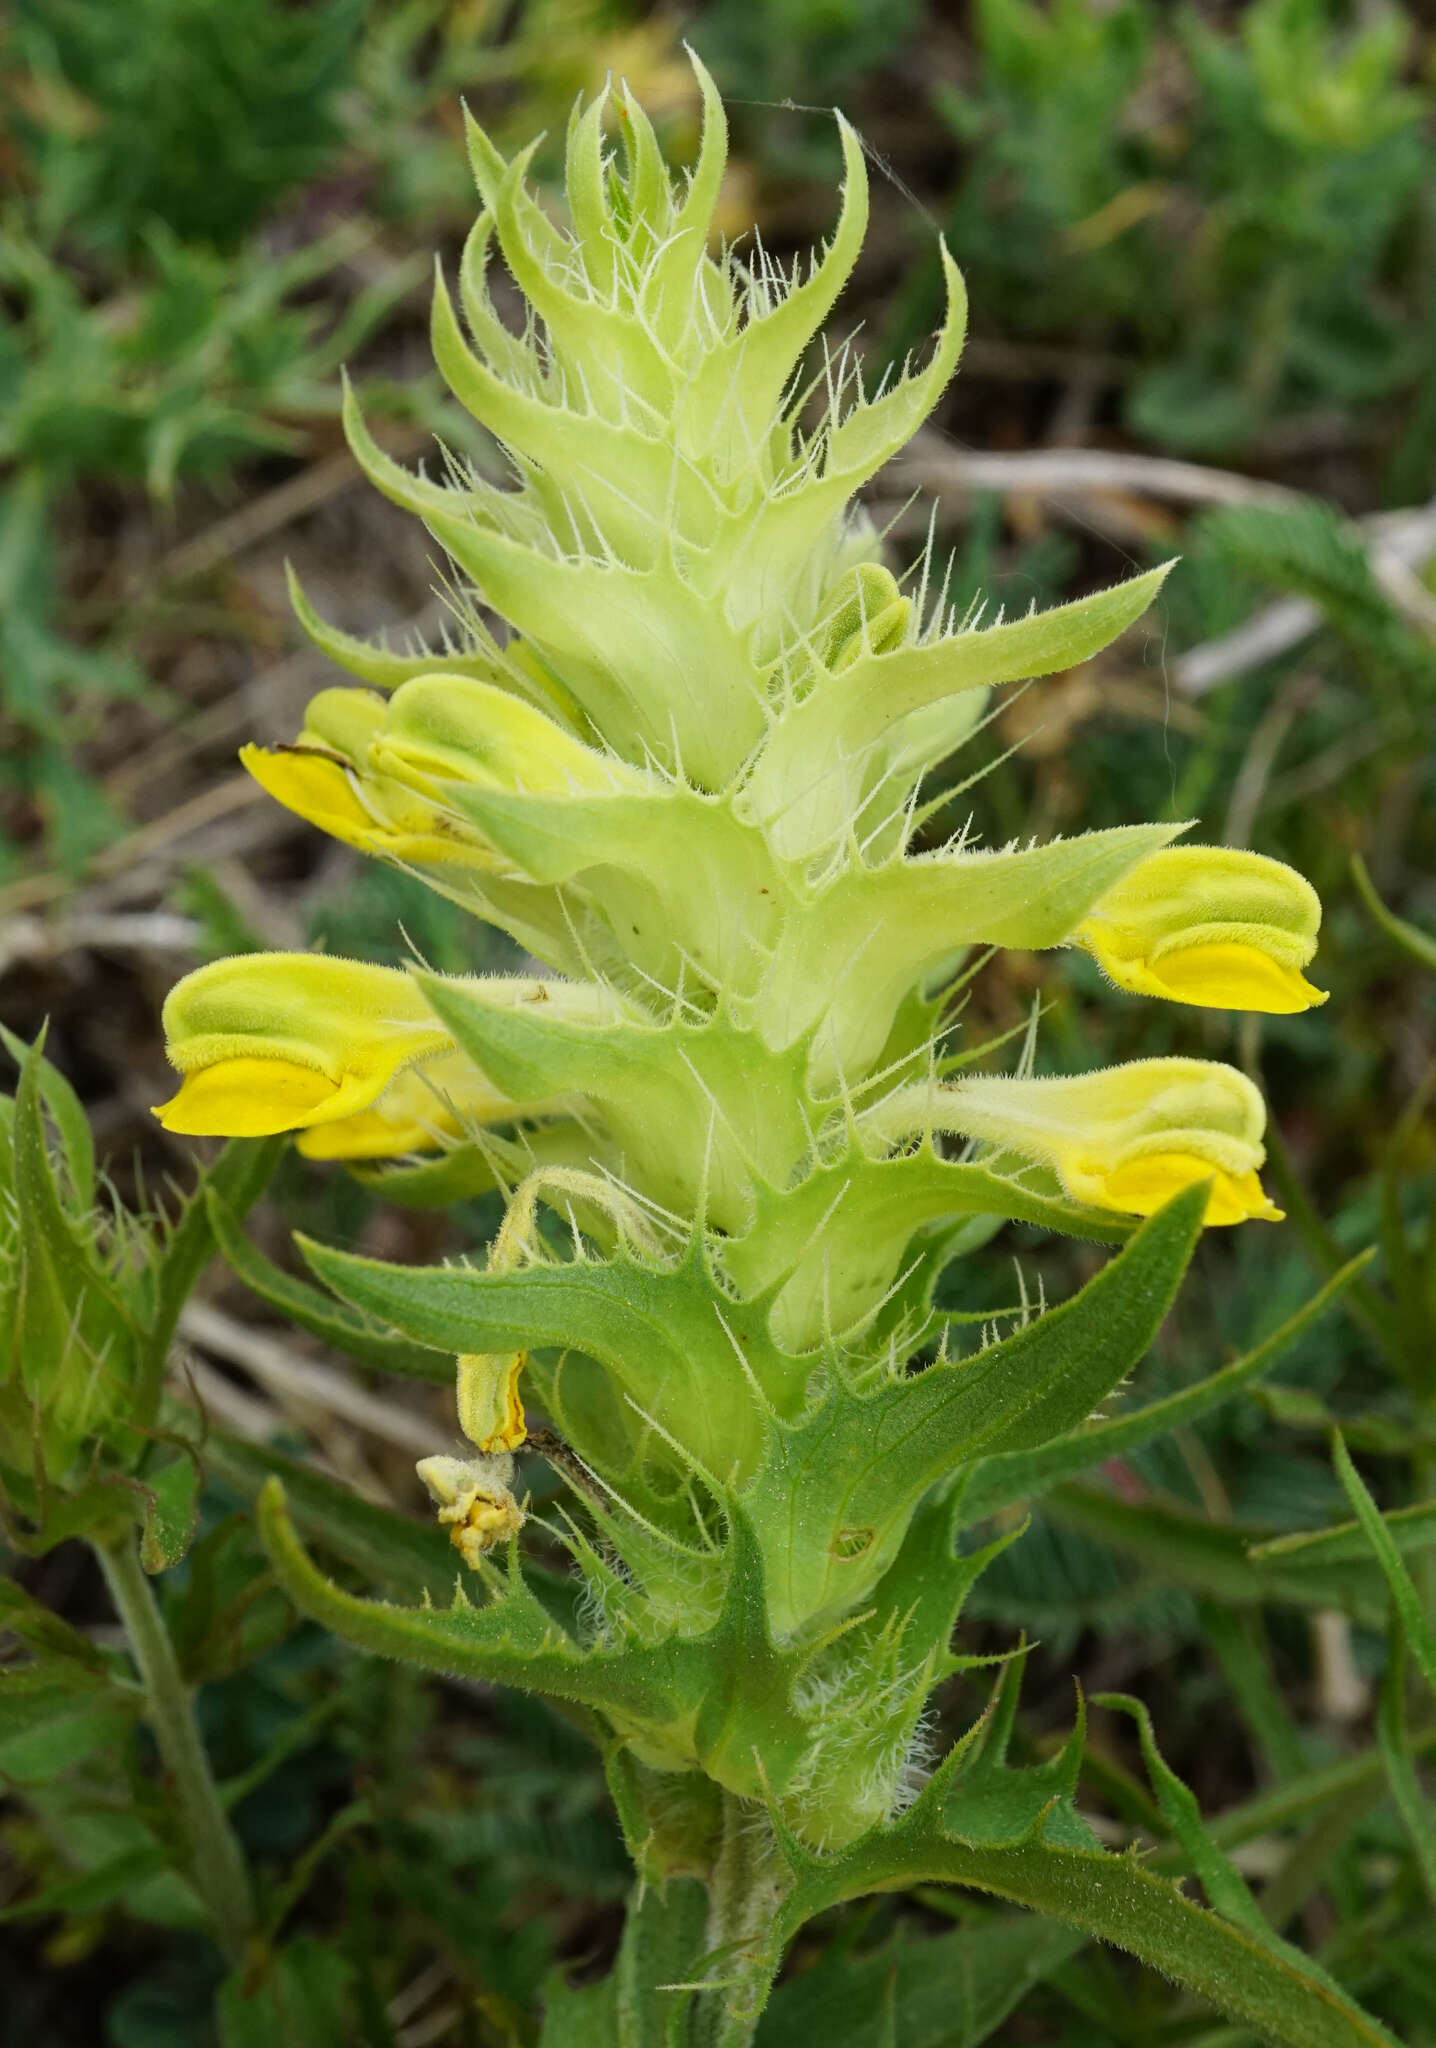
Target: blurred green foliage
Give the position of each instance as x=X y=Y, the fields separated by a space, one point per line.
x=803 y=49
x=1243 y=204
x=191 y=114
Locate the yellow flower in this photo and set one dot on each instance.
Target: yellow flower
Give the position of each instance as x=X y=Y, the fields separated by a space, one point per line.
x=287 y=1041
x=1125 y=1138
x=456 y=729
x=350 y=1055
x=372 y=813
x=474 y=1501
x=491 y=1414
x=441 y=1098
x=1208 y=925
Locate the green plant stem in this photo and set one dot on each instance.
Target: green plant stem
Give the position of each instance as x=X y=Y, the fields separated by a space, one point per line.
x=743 y=1902
x=216 y=1862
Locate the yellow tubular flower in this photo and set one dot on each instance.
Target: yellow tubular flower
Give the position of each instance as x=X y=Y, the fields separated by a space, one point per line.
x=1208 y=925
x=371 y=813
x=286 y=1041
x=1126 y=1138
x=456 y=729
x=442 y=1098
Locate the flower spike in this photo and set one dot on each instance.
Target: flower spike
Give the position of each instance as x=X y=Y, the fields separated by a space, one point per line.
x=687 y=772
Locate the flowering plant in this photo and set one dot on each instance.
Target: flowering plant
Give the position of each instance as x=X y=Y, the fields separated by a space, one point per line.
x=738 y=1134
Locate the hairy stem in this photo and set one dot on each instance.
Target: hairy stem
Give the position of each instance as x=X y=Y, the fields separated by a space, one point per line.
x=216 y=1862
x=744 y=1947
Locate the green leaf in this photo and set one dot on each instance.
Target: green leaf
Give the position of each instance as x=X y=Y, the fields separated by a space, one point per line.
x=44 y=1633
x=852 y=711
x=862 y=1215
x=656 y=1084
x=1409 y=937
x=318 y=1313
x=1394 y=1737
x=440 y=1182
x=666 y=1334
x=950 y=1991
x=997 y=1482
x=988 y=1803
x=68 y=1317
x=1285 y=1999
x=67 y=1113
x=1224 y=1886
x=1411 y=1530
x=927 y=908
x=1385 y=1434
x=170 y=1514
x=374 y=663
x=1216 y=1559
x=237 y=1179
x=512 y=1639
x=47 y=1728
x=664 y=1943
x=302 y=2002
x=859 y=1464
x=1420 y=1637
x=109 y=1884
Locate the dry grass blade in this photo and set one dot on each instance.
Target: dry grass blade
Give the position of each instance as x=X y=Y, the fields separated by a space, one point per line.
x=290 y=1378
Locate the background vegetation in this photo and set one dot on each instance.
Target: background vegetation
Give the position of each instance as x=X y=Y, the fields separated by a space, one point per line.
x=1201 y=234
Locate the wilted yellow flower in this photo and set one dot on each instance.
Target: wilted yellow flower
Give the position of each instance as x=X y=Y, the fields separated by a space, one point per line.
x=474 y=1502
x=491 y=1413
x=1209 y=925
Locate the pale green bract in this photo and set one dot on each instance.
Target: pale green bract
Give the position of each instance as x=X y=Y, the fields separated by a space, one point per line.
x=689 y=783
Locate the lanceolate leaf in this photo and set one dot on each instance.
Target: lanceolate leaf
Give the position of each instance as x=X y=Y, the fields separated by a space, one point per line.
x=862 y=703
x=1221 y=1560
x=237 y=1179
x=843 y=1481
x=320 y=1314
x=171 y=1509
x=1225 y=1888
x=1024 y=1475
x=1420 y=945
x=666 y=1334
x=68 y=1114
x=1420 y=1637
x=1418 y=1815
x=413 y=1559
x=1411 y=1531
x=511 y=1639
x=1287 y=2000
